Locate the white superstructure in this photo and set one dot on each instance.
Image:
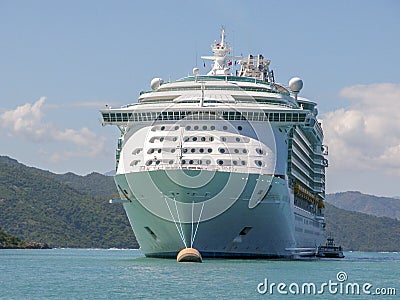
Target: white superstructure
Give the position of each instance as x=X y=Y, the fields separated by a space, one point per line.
x=231 y=164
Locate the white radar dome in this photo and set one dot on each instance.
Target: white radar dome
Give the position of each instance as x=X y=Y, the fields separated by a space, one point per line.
x=195 y=71
x=155 y=83
x=295 y=84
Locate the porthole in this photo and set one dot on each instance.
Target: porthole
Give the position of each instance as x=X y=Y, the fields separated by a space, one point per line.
x=258 y=163
x=185 y=150
x=186 y=139
x=194 y=139
x=204 y=127
x=157 y=162
x=176 y=127
x=221 y=150
x=220 y=162
x=236 y=150
x=211 y=138
x=161 y=139
x=203 y=139
x=193 y=150
x=183 y=161
x=244 y=151
x=212 y=127
x=196 y=127
x=208 y=162
x=188 y=127
x=149 y=162
x=240 y=128
x=191 y=162
x=201 y=150
x=162 y=128
x=171 y=162
x=234 y=162
x=199 y=162
x=225 y=127
x=259 y=151
x=174 y=139
x=172 y=150
x=209 y=150
x=243 y=162
x=223 y=139
x=159 y=151
x=237 y=139
x=151 y=151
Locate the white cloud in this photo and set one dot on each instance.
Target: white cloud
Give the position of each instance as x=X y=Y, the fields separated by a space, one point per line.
x=26 y=121
x=366 y=136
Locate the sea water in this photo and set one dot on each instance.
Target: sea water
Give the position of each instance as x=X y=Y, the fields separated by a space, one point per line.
x=127 y=274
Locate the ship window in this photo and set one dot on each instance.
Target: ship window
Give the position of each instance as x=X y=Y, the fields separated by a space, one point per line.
x=187 y=127
x=194 y=139
x=149 y=162
x=234 y=162
x=159 y=150
x=162 y=127
x=244 y=151
x=259 y=151
x=176 y=127
x=199 y=162
x=161 y=139
x=171 y=162
x=212 y=127
x=236 y=150
x=157 y=162
x=196 y=127
x=174 y=139
x=201 y=150
x=204 y=127
x=211 y=138
x=237 y=139
x=209 y=150
x=224 y=127
x=208 y=161
x=223 y=139
x=203 y=139
x=183 y=161
x=258 y=163
x=172 y=150
x=220 y=162
x=191 y=162
x=192 y=150
x=240 y=128
x=185 y=150
x=243 y=162
x=186 y=139
x=221 y=150
x=245 y=231
x=150 y=151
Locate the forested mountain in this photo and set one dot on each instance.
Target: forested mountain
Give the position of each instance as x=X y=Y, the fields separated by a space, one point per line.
x=62 y=210
x=69 y=210
x=369 y=204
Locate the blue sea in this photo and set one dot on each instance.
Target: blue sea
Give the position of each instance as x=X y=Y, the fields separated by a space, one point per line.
x=127 y=274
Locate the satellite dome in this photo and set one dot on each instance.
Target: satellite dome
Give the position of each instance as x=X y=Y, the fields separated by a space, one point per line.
x=155 y=83
x=195 y=71
x=295 y=84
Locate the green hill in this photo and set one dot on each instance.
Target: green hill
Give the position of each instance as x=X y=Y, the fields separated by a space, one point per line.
x=369 y=204
x=62 y=210
x=362 y=232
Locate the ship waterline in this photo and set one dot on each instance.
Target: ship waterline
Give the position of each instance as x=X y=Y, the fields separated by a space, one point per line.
x=232 y=165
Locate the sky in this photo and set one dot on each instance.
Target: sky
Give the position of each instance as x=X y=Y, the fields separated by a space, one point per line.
x=63 y=61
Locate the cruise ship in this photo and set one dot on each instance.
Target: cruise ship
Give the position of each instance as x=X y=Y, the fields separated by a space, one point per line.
x=230 y=163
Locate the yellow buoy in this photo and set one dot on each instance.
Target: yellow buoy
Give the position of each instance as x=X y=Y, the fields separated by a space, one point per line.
x=189 y=255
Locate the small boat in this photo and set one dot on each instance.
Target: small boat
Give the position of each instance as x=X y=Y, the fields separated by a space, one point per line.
x=330 y=250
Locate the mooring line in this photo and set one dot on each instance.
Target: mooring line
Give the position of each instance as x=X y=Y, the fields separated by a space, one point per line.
x=180 y=224
x=198 y=223
x=177 y=228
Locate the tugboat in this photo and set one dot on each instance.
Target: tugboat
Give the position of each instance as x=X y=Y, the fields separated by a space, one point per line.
x=330 y=250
